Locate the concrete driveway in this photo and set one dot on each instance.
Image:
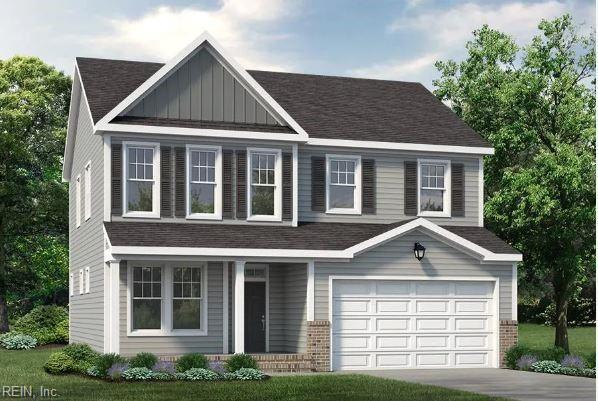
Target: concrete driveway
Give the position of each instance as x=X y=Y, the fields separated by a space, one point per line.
x=525 y=386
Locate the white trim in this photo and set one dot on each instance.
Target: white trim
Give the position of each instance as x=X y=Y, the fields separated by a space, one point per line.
x=181 y=57
x=356 y=209
x=277 y=184
x=81 y=282
x=155 y=213
x=106 y=288
x=446 y=196
x=514 y=296
x=78 y=201
x=239 y=306
x=225 y=267
x=114 y=266
x=71 y=284
x=107 y=177
x=87 y=280
x=217 y=215
x=310 y=291
x=87 y=190
x=267 y=311
x=294 y=223
x=481 y=191
x=417 y=147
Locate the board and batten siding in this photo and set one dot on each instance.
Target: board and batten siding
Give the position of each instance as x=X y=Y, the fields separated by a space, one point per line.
x=389 y=189
x=86 y=248
x=177 y=345
x=395 y=258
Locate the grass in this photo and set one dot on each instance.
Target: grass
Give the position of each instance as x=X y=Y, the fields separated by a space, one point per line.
x=24 y=368
x=582 y=340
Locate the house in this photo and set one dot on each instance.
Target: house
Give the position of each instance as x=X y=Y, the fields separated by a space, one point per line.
x=318 y=222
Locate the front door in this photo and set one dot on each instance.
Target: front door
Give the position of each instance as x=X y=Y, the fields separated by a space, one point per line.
x=255 y=317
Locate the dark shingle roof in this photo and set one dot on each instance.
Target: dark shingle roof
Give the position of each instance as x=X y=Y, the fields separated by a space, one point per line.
x=171 y=122
x=312 y=236
x=325 y=106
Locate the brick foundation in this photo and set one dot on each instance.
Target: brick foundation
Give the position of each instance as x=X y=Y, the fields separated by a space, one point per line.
x=508 y=338
x=318 y=344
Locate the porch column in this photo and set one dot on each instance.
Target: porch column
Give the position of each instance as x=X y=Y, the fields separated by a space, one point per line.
x=112 y=307
x=310 y=291
x=239 y=306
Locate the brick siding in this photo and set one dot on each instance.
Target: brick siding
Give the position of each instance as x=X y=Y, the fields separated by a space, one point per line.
x=318 y=344
x=508 y=338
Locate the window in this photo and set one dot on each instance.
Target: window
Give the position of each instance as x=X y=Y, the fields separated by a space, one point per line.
x=87 y=282
x=204 y=188
x=186 y=298
x=265 y=184
x=81 y=281
x=147 y=298
x=142 y=178
x=343 y=184
x=78 y=201
x=71 y=284
x=434 y=185
x=88 y=191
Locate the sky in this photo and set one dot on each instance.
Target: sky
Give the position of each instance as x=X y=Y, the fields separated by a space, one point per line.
x=398 y=40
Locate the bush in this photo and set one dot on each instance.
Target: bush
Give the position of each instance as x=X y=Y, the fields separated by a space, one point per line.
x=249 y=374
x=580 y=312
x=190 y=361
x=201 y=374
x=217 y=366
x=93 y=372
x=137 y=374
x=591 y=360
x=18 y=341
x=526 y=362
x=547 y=367
x=162 y=376
x=573 y=361
x=238 y=361
x=83 y=355
x=164 y=367
x=143 y=360
x=515 y=353
x=551 y=354
x=59 y=363
x=46 y=323
x=116 y=371
x=105 y=362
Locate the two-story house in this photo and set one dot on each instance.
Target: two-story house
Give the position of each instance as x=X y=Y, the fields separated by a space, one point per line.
x=315 y=221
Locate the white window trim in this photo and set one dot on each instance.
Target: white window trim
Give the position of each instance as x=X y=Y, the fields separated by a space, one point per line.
x=87 y=280
x=277 y=185
x=446 y=201
x=155 y=213
x=81 y=282
x=78 y=201
x=166 y=329
x=87 y=194
x=356 y=195
x=217 y=215
x=71 y=284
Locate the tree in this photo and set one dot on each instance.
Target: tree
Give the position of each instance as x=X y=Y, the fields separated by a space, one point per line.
x=34 y=102
x=536 y=105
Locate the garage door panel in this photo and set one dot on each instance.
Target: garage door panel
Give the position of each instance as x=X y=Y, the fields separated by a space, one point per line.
x=352 y=305
x=352 y=324
x=392 y=361
x=477 y=341
x=432 y=360
x=427 y=342
x=353 y=361
x=352 y=288
x=431 y=306
x=392 y=288
x=471 y=324
x=471 y=307
x=439 y=289
x=433 y=324
x=389 y=343
x=473 y=288
x=385 y=306
x=390 y=324
x=359 y=343
x=471 y=359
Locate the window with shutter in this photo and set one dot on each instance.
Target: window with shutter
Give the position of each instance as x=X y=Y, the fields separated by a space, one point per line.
x=204 y=182
x=434 y=188
x=457 y=190
x=142 y=179
x=287 y=186
x=343 y=184
x=318 y=184
x=368 y=179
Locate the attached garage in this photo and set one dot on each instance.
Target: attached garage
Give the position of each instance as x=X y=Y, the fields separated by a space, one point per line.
x=394 y=323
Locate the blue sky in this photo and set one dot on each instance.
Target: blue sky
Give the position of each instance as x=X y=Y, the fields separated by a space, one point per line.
x=375 y=39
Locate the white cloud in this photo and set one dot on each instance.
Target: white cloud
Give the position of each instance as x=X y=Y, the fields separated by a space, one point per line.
x=407 y=70
x=242 y=27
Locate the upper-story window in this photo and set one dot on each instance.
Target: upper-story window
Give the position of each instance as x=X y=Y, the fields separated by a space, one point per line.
x=265 y=182
x=142 y=177
x=78 y=201
x=343 y=179
x=88 y=190
x=434 y=188
x=204 y=186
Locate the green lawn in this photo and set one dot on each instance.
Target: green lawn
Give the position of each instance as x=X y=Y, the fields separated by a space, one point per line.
x=582 y=340
x=25 y=368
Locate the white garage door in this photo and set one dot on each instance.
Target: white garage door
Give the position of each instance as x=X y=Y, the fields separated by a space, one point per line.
x=379 y=324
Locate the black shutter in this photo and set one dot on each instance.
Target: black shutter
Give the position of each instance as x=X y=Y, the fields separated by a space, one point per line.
x=241 y=184
x=166 y=181
x=227 y=184
x=318 y=184
x=117 y=174
x=179 y=182
x=287 y=186
x=410 y=188
x=368 y=186
x=457 y=190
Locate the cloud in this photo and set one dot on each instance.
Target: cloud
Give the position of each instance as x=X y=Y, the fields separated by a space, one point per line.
x=407 y=70
x=242 y=27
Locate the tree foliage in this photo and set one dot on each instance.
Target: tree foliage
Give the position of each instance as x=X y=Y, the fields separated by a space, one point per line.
x=536 y=105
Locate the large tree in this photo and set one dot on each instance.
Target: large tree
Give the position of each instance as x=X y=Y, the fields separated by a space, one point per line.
x=536 y=105
x=34 y=102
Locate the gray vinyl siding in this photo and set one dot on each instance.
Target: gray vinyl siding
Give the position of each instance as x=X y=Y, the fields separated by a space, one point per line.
x=177 y=345
x=202 y=89
x=396 y=258
x=390 y=178
x=86 y=242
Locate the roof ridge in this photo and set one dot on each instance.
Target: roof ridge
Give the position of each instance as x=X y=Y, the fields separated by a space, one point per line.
x=338 y=77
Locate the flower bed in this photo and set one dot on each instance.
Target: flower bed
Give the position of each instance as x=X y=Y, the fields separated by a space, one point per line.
x=80 y=358
x=550 y=360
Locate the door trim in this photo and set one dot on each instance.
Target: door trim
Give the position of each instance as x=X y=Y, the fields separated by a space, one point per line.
x=495 y=299
x=265 y=279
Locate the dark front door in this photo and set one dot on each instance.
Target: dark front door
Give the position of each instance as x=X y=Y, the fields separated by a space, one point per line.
x=255 y=317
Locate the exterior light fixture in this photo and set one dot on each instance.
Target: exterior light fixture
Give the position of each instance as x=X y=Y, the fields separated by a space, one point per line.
x=419 y=250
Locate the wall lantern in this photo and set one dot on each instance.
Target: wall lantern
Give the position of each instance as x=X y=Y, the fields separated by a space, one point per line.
x=419 y=250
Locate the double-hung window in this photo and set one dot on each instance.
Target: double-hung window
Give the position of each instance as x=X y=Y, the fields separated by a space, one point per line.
x=187 y=298
x=265 y=182
x=343 y=178
x=434 y=188
x=146 y=305
x=78 y=201
x=87 y=180
x=142 y=179
x=204 y=183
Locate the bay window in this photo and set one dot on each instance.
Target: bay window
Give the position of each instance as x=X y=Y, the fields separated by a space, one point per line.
x=142 y=178
x=204 y=186
x=343 y=184
x=265 y=181
x=434 y=188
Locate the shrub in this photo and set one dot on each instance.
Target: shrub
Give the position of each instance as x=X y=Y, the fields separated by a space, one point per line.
x=526 y=362
x=238 y=361
x=143 y=360
x=514 y=353
x=18 y=341
x=137 y=374
x=116 y=371
x=190 y=361
x=105 y=362
x=83 y=355
x=551 y=354
x=93 y=372
x=46 y=323
x=249 y=374
x=162 y=376
x=201 y=374
x=589 y=372
x=164 y=367
x=546 y=367
x=573 y=361
x=217 y=366
x=591 y=360
x=59 y=363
